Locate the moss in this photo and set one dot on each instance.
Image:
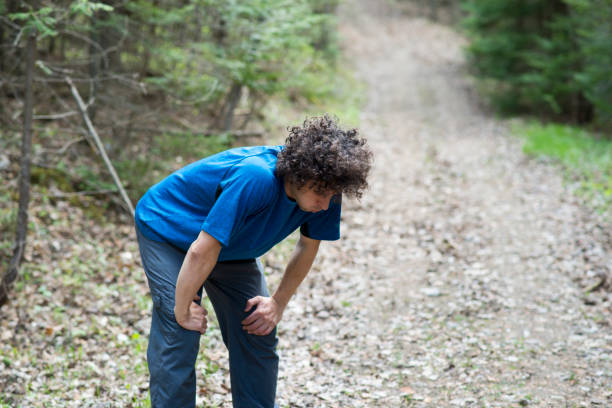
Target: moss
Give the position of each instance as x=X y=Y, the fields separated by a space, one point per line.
x=46 y=177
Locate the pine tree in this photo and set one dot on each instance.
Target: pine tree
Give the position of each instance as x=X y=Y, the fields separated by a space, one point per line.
x=528 y=53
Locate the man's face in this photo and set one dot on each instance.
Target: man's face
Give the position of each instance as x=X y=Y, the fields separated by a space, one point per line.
x=309 y=200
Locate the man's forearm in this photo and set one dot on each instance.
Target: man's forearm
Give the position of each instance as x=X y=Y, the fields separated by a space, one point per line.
x=199 y=262
x=191 y=277
x=297 y=269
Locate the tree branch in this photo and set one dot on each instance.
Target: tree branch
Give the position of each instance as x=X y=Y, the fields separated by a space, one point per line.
x=100 y=146
x=55 y=116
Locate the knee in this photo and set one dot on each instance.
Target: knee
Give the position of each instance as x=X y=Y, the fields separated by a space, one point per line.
x=168 y=334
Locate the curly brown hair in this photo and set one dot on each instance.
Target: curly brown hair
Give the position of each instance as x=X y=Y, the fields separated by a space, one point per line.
x=331 y=158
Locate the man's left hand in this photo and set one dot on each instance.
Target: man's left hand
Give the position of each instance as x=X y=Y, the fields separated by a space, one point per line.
x=265 y=317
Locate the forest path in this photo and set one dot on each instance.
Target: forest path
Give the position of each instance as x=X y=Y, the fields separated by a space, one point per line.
x=453 y=282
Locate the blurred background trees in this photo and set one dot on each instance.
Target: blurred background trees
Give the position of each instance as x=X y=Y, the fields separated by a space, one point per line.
x=551 y=58
x=159 y=73
x=162 y=74
x=547 y=58
x=165 y=82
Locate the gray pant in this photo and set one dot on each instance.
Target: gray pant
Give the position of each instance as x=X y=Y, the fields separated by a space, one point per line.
x=172 y=350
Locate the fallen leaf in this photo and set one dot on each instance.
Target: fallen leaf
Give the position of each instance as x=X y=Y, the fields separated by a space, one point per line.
x=407 y=390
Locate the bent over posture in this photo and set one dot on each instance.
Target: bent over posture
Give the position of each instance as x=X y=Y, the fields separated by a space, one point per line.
x=205 y=225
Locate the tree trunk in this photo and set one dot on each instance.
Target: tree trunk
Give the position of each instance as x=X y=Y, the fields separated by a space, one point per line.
x=232 y=101
x=2 y=57
x=62 y=46
x=24 y=177
x=109 y=37
x=94 y=65
x=255 y=103
x=433 y=9
x=7 y=37
x=148 y=41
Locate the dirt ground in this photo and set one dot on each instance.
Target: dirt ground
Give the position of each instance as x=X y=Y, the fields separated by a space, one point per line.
x=460 y=277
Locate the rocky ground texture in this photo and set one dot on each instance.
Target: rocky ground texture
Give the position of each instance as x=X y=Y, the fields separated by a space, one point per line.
x=461 y=277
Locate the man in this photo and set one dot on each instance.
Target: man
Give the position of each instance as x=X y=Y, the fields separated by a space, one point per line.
x=205 y=225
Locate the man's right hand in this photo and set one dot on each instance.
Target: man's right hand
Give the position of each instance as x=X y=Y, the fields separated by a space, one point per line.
x=200 y=260
x=194 y=319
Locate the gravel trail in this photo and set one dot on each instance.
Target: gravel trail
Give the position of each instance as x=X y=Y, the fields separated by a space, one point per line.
x=460 y=277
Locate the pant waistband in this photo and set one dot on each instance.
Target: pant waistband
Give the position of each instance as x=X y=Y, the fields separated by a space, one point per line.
x=237 y=261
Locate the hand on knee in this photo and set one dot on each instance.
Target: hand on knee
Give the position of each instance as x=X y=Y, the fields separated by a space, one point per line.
x=194 y=319
x=265 y=317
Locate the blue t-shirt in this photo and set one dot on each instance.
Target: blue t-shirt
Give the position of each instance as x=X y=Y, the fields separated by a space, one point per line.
x=234 y=196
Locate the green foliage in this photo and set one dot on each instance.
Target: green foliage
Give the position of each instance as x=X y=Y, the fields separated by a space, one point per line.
x=338 y=91
x=5 y=403
x=527 y=50
x=44 y=20
x=587 y=159
x=195 y=54
x=88 y=8
x=550 y=58
x=548 y=81
x=146 y=403
x=40 y=21
x=323 y=33
x=594 y=31
x=265 y=46
x=196 y=51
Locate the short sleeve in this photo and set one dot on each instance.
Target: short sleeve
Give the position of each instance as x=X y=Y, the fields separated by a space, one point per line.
x=246 y=189
x=325 y=225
